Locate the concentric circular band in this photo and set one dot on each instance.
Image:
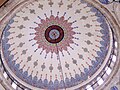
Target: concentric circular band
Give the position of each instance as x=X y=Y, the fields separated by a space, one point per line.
x=54 y=34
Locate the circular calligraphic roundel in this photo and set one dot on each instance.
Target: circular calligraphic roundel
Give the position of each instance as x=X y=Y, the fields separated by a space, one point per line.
x=56 y=44
x=54 y=34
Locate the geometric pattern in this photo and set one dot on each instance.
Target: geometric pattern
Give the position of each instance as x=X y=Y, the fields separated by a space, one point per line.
x=81 y=37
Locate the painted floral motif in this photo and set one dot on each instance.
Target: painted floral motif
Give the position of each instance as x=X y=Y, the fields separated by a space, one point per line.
x=60 y=22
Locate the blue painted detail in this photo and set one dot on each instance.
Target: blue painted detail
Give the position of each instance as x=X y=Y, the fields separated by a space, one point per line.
x=29 y=79
x=104 y=1
x=17 y=74
x=10 y=64
x=7 y=53
x=67 y=82
x=99 y=14
x=101 y=19
x=34 y=81
x=11 y=21
x=72 y=81
x=114 y=88
x=91 y=70
x=93 y=9
x=17 y=67
x=95 y=64
x=86 y=71
x=106 y=38
x=56 y=84
x=77 y=77
x=40 y=84
x=104 y=26
x=84 y=76
x=6 y=40
x=45 y=83
x=61 y=85
x=4 y=43
x=100 y=54
x=7 y=34
x=103 y=43
x=7 y=46
x=20 y=73
x=7 y=28
x=51 y=86
x=25 y=74
x=103 y=50
x=11 y=57
x=99 y=60
x=105 y=32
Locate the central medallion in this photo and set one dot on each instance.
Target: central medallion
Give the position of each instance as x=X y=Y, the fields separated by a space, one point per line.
x=54 y=34
x=54 y=30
